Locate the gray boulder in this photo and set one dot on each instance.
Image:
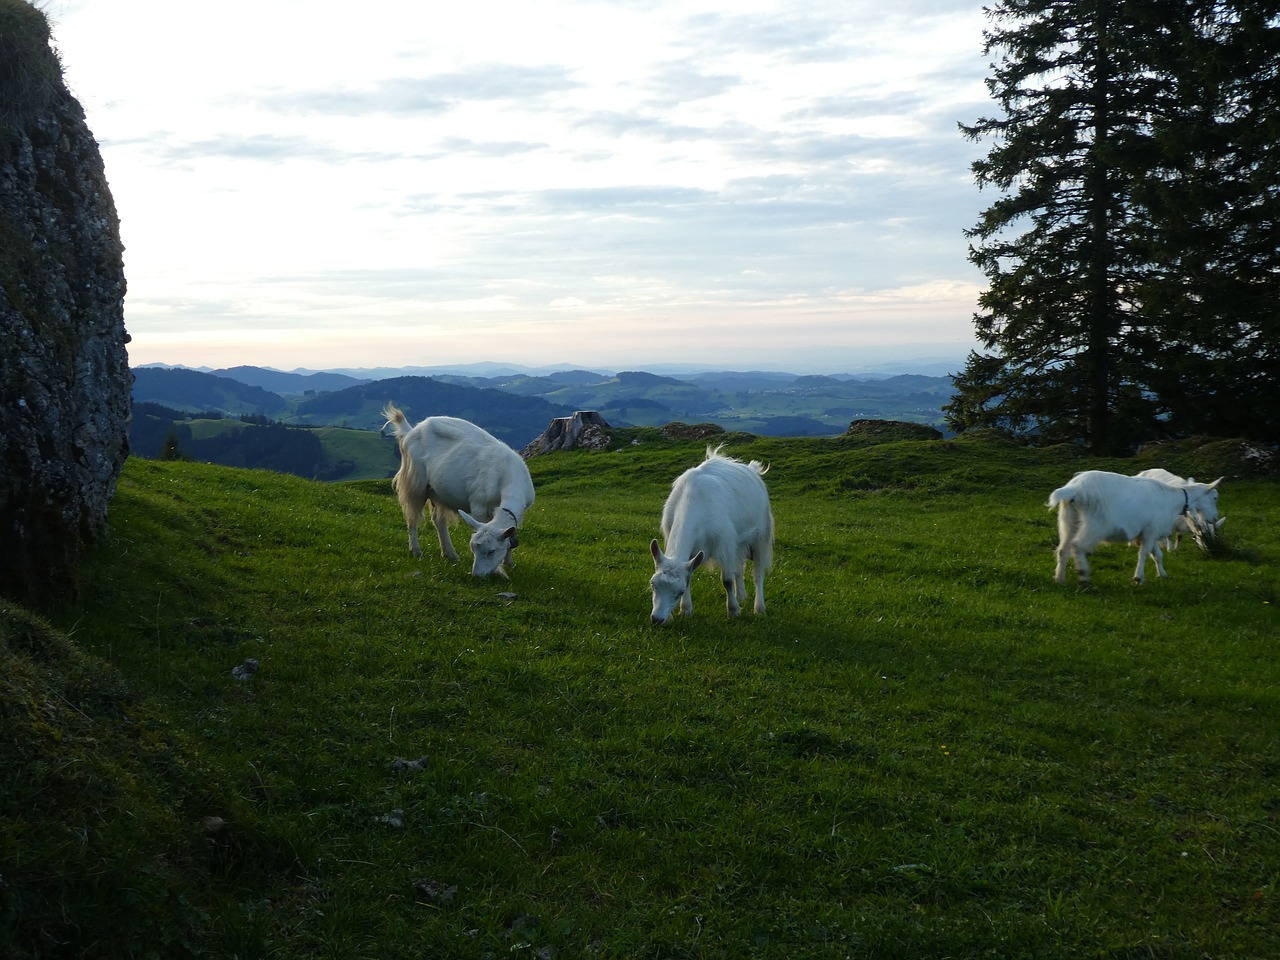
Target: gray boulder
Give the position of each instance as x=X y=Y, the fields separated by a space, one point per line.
x=586 y=429
x=64 y=368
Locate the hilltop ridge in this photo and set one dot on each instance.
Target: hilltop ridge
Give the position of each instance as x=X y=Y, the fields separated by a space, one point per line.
x=772 y=403
x=250 y=416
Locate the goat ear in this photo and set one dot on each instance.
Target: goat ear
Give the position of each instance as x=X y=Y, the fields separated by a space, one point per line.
x=471 y=521
x=656 y=551
x=510 y=534
x=696 y=562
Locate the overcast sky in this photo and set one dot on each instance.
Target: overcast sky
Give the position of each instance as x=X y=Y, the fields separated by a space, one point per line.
x=304 y=183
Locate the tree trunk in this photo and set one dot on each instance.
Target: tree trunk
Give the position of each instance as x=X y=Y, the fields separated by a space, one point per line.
x=585 y=428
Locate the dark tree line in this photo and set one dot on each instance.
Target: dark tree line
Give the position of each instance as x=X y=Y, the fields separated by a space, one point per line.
x=269 y=447
x=1133 y=255
x=166 y=434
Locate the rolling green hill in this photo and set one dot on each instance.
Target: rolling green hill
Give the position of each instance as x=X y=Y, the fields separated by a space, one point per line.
x=193 y=390
x=318 y=453
x=926 y=748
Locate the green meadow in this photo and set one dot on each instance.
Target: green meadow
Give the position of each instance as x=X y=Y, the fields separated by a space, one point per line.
x=925 y=749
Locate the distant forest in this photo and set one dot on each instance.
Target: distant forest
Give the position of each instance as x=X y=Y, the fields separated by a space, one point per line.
x=158 y=432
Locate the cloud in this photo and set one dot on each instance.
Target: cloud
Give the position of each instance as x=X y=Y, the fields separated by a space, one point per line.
x=796 y=34
x=461 y=146
x=265 y=148
x=618 y=124
x=514 y=168
x=431 y=96
x=677 y=82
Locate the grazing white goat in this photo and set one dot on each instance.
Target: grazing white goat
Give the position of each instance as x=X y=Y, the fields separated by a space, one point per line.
x=457 y=467
x=1201 y=530
x=1097 y=506
x=718 y=513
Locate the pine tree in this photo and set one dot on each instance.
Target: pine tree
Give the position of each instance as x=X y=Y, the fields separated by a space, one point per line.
x=170 y=450
x=1106 y=309
x=1212 y=295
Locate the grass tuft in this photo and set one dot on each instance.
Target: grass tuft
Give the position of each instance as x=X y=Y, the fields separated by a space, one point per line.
x=30 y=71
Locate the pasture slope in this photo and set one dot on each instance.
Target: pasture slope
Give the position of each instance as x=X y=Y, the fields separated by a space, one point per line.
x=926 y=749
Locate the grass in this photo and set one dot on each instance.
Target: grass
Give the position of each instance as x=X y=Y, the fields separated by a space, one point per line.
x=925 y=749
x=30 y=72
x=367 y=454
x=348 y=454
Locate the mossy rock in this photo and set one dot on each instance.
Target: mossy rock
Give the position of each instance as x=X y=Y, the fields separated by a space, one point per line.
x=1207 y=458
x=687 y=431
x=881 y=430
x=101 y=806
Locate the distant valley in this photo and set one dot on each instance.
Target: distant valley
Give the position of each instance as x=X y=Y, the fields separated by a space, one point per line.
x=250 y=416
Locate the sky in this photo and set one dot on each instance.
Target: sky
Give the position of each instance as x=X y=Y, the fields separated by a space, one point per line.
x=623 y=184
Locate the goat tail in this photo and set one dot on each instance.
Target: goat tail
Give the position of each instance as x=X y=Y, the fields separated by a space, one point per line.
x=395 y=419
x=713 y=453
x=1060 y=496
x=409 y=486
x=762 y=550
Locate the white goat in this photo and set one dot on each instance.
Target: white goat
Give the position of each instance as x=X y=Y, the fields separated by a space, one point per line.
x=1200 y=530
x=457 y=467
x=1097 y=506
x=717 y=512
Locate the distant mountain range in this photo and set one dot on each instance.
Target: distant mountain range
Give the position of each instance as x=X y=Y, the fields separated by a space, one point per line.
x=348 y=403
x=277 y=381
x=515 y=406
x=929 y=367
x=772 y=403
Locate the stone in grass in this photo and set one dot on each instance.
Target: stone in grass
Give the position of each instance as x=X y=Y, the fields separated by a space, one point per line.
x=435 y=894
x=522 y=930
x=245 y=670
x=401 y=765
x=393 y=819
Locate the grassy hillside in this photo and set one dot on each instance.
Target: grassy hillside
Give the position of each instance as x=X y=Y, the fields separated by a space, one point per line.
x=317 y=453
x=357 y=454
x=333 y=453
x=193 y=390
x=925 y=749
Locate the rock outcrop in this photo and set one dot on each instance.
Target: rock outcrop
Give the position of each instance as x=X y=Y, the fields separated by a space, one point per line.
x=64 y=369
x=585 y=429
